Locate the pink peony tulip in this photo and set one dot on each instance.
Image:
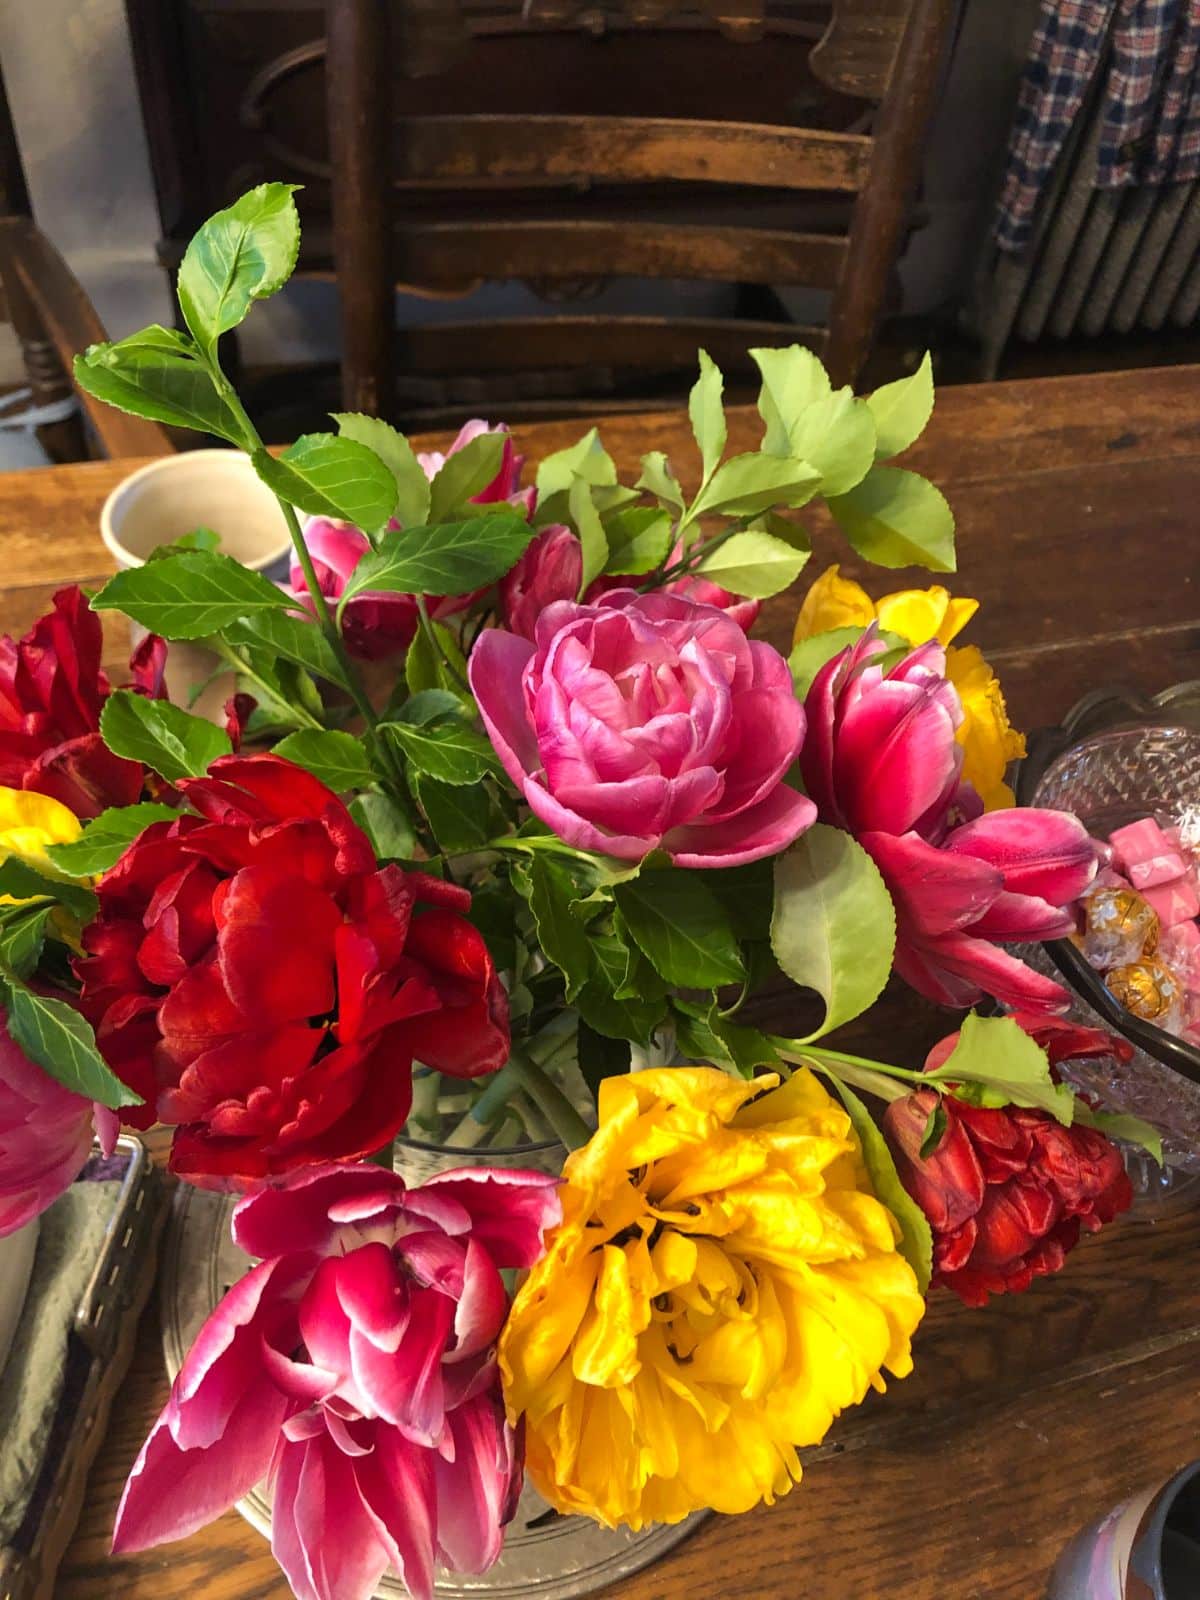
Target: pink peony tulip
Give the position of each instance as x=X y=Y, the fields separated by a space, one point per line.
x=45 y=1136
x=356 y=1367
x=1007 y=876
x=646 y=722
x=881 y=753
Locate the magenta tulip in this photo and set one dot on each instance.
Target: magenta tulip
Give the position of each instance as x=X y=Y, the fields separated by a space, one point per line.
x=647 y=722
x=1009 y=876
x=506 y=485
x=881 y=752
x=550 y=569
x=355 y=1367
x=45 y=1136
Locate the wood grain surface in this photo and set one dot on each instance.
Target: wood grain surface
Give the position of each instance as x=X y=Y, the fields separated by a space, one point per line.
x=1077 y=501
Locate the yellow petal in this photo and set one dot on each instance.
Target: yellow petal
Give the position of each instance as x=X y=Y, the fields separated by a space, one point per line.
x=605 y=1351
x=920 y=615
x=988 y=739
x=833 y=602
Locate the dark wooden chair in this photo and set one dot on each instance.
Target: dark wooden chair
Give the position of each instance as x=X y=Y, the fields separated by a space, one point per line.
x=448 y=144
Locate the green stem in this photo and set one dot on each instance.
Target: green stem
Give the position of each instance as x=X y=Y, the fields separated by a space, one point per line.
x=435 y=644
x=228 y=654
x=550 y=1100
x=692 y=557
x=875 y=1077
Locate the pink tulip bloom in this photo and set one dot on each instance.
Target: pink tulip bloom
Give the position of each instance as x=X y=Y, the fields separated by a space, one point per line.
x=375 y=625
x=881 y=753
x=505 y=485
x=646 y=722
x=550 y=569
x=45 y=1136
x=355 y=1366
x=1009 y=876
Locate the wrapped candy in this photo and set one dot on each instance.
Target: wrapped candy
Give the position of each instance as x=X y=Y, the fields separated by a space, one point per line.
x=1120 y=927
x=1149 y=990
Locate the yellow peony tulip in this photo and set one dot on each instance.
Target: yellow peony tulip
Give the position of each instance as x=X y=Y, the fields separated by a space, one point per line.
x=988 y=739
x=28 y=823
x=722 y=1285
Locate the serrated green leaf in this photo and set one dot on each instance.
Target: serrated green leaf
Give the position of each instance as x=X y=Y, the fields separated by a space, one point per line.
x=464 y=474
x=834 y=926
x=996 y=1063
x=104 y=841
x=811 y=654
x=639 y=539
x=452 y=559
x=394 y=450
x=916 y=1240
x=385 y=824
x=836 y=435
x=753 y=564
x=658 y=478
x=449 y=751
x=1120 y=1125
x=53 y=1034
x=190 y=596
x=702 y=1034
x=785 y=528
x=153 y=374
x=634 y=1018
x=21 y=881
x=339 y=759
x=682 y=928
x=163 y=737
x=747 y=484
x=22 y=937
x=331 y=477
x=897 y=519
x=460 y=817
x=592 y=540
x=240 y=255
x=425 y=666
x=297 y=640
x=901 y=410
x=562 y=938
x=586 y=459
x=707 y=414
x=793 y=380
x=429 y=705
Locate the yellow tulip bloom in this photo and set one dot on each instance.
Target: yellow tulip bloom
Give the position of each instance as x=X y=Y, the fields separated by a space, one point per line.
x=988 y=739
x=722 y=1285
x=28 y=823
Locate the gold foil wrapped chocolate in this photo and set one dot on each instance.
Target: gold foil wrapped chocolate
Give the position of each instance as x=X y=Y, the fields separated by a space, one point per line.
x=1148 y=989
x=1120 y=927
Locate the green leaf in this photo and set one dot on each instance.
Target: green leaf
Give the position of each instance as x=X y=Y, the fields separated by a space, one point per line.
x=331 y=477
x=240 y=255
x=707 y=414
x=635 y=1018
x=460 y=817
x=466 y=473
x=639 y=539
x=165 y=738
x=935 y=1129
x=340 y=760
x=586 y=459
x=591 y=533
x=746 y=892
x=793 y=380
x=449 y=751
x=455 y=558
x=996 y=1063
x=916 y=1240
x=155 y=374
x=811 y=654
x=600 y=1057
x=661 y=482
x=753 y=564
x=897 y=519
x=901 y=410
x=785 y=528
x=837 y=437
x=385 y=824
x=292 y=637
x=682 y=927
x=394 y=450
x=105 y=840
x=834 y=927
x=425 y=667
x=1120 y=1125
x=702 y=1034
x=53 y=1034
x=561 y=936
x=747 y=484
x=23 y=882
x=22 y=937
x=190 y=597
x=430 y=705
x=198 y=539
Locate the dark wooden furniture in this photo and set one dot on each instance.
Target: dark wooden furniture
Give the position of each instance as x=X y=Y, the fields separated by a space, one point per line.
x=1022 y=1421
x=560 y=145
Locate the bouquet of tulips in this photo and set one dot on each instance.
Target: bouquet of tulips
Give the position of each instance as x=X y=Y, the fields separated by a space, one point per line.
x=509 y=822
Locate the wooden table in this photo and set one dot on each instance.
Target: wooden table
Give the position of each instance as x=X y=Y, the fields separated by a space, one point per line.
x=1078 y=501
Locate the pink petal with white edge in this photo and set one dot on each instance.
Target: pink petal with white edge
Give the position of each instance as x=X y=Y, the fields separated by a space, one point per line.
x=1044 y=853
x=479 y=1314
x=321 y=1533
x=372 y=1295
x=761 y=830
x=510 y=1209
x=293 y=1214
x=396 y=1484
x=406 y=1388
x=475 y=1493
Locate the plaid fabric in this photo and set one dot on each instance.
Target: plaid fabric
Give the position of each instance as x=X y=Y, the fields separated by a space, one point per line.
x=1150 y=100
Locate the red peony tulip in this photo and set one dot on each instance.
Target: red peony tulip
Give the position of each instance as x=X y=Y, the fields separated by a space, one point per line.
x=52 y=690
x=265 y=985
x=1007 y=1191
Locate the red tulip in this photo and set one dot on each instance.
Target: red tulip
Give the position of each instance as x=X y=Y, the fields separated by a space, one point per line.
x=1009 y=875
x=52 y=690
x=1007 y=1191
x=265 y=985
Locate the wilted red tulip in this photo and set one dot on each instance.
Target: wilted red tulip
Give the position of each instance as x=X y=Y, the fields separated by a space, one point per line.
x=264 y=985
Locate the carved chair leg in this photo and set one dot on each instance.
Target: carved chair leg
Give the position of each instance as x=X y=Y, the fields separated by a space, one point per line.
x=65 y=440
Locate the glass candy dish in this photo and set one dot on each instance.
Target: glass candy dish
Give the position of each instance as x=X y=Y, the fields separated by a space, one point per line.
x=1115 y=757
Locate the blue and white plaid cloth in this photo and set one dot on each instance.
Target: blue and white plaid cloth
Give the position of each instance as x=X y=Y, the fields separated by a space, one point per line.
x=1150 y=100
